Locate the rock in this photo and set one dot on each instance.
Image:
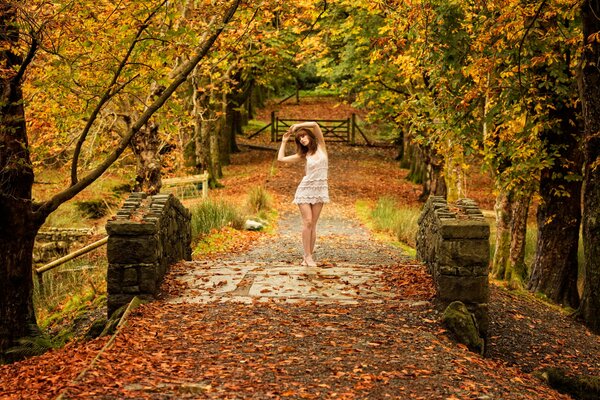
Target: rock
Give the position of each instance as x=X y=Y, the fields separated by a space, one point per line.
x=463 y=326
x=251 y=225
x=96 y=329
x=585 y=387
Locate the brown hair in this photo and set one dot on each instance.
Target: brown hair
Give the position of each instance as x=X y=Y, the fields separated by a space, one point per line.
x=302 y=150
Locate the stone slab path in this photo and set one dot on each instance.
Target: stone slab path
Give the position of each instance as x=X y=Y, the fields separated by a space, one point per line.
x=347 y=272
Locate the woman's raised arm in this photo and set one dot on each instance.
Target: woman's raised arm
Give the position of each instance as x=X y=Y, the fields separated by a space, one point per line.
x=281 y=155
x=316 y=130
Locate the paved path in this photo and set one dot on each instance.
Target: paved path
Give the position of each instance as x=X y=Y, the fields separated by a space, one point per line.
x=349 y=264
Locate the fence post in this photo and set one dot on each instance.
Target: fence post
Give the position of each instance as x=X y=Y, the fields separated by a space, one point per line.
x=273 y=128
x=205 y=185
x=353 y=137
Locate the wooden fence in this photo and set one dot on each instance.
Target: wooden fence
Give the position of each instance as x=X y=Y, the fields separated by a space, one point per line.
x=334 y=130
x=185 y=185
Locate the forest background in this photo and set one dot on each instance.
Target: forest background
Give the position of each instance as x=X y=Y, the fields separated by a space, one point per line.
x=508 y=86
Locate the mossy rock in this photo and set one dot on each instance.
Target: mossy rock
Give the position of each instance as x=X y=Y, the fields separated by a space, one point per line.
x=94 y=209
x=463 y=326
x=122 y=188
x=96 y=329
x=112 y=322
x=582 y=387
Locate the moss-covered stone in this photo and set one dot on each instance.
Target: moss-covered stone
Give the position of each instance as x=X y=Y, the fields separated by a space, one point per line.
x=583 y=387
x=463 y=326
x=96 y=329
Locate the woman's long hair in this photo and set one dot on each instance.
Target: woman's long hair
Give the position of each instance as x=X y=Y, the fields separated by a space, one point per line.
x=302 y=150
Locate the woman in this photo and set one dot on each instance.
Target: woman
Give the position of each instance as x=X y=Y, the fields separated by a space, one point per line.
x=313 y=191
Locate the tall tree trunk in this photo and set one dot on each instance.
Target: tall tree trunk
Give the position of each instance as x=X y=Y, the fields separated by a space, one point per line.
x=215 y=149
x=517 y=270
x=454 y=176
x=501 y=259
x=224 y=131
x=589 y=308
x=18 y=225
x=555 y=267
x=204 y=151
x=146 y=148
x=434 y=183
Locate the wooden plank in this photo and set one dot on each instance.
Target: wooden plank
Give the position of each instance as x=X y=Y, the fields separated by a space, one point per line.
x=185 y=180
x=181 y=182
x=71 y=256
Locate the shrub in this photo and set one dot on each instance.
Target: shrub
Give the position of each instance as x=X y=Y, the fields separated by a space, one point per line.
x=258 y=200
x=400 y=221
x=95 y=209
x=210 y=214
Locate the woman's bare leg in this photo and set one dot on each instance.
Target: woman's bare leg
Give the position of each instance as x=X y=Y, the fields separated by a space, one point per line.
x=307 y=229
x=316 y=212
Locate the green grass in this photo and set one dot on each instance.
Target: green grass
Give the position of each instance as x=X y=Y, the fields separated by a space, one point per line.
x=74 y=279
x=254 y=125
x=258 y=200
x=210 y=215
x=390 y=222
x=319 y=92
x=398 y=220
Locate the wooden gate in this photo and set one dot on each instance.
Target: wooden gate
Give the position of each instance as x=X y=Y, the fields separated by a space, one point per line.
x=334 y=130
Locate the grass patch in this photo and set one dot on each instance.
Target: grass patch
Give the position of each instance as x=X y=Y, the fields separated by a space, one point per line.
x=390 y=223
x=223 y=240
x=76 y=279
x=258 y=200
x=212 y=215
x=320 y=91
x=255 y=125
x=400 y=221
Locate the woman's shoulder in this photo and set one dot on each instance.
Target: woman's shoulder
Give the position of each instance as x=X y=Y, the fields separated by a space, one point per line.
x=322 y=150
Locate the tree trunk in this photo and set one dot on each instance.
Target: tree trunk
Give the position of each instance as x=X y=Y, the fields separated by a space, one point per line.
x=215 y=147
x=589 y=308
x=555 y=267
x=416 y=173
x=454 y=176
x=501 y=259
x=146 y=148
x=434 y=183
x=407 y=150
x=18 y=225
x=517 y=270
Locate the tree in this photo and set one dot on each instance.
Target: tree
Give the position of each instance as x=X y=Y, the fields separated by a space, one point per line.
x=589 y=308
x=21 y=216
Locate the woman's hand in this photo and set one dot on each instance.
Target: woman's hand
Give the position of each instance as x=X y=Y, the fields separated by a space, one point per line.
x=286 y=136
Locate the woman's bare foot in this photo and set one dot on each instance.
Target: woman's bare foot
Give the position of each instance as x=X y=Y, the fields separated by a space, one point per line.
x=310 y=262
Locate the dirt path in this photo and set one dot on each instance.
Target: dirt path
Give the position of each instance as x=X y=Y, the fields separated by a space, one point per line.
x=350 y=265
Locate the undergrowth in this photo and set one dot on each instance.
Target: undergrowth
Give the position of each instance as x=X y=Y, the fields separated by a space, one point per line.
x=389 y=222
x=75 y=279
x=210 y=215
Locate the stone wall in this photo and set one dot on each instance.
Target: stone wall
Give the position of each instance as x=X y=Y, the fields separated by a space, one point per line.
x=147 y=235
x=52 y=243
x=453 y=241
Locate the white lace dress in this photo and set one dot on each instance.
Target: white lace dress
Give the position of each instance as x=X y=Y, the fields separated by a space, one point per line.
x=313 y=187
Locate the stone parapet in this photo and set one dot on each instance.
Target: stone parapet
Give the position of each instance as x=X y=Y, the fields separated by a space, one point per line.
x=453 y=241
x=51 y=243
x=147 y=234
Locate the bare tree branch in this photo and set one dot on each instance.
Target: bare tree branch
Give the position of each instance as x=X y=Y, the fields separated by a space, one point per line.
x=109 y=93
x=42 y=210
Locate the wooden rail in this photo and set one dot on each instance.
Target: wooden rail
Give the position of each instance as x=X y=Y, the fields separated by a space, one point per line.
x=39 y=271
x=188 y=181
